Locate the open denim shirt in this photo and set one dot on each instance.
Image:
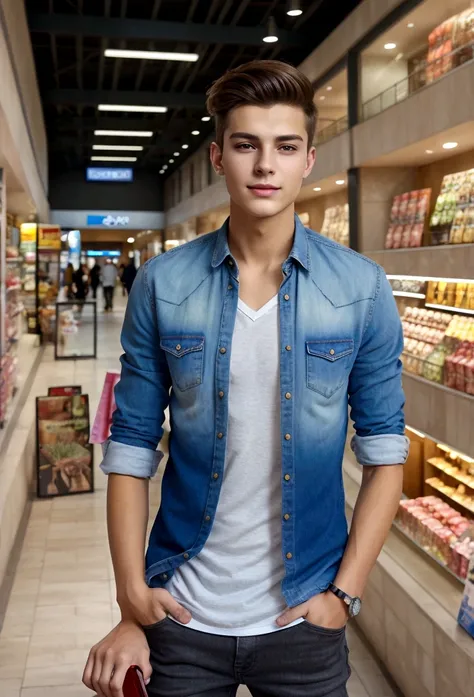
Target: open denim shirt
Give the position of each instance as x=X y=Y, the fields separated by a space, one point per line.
x=340 y=342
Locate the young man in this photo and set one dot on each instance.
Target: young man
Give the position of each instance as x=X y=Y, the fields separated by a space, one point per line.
x=109 y=279
x=263 y=330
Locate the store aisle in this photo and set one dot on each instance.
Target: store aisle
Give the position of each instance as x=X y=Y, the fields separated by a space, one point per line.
x=63 y=598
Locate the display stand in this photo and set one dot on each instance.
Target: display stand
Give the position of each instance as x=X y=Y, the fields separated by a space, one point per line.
x=76 y=331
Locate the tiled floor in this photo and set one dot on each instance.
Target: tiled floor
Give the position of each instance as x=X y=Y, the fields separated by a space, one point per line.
x=63 y=598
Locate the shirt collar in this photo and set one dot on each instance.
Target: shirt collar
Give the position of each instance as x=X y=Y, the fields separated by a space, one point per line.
x=299 y=252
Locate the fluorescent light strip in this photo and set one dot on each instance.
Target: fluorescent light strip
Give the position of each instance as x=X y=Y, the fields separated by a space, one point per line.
x=151 y=55
x=429 y=278
x=133 y=107
x=132 y=134
x=402 y=294
x=118 y=147
x=459 y=310
x=104 y=158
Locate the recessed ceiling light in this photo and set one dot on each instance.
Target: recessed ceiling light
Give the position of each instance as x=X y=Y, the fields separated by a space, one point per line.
x=194 y=133
x=151 y=55
x=133 y=107
x=176 y=154
x=171 y=161
x=322 y=98
x=390 y=46
x=450 y=145
x=317 y=188
x=340 y=182
x=294 y=8
x=294 y=13
x=162 y=171
x=138 y=134
x=410 y=25
x=185 y=147
x=329 y=88
x=165 y=167
x=271 y=36
x=131 y=240
x=104 y=158
x=429 y=152
x=206 y=118
x=117 y=147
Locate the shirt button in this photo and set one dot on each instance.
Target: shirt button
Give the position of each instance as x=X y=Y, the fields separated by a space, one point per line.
x=289 y=555
x=288 y=348
x=207 y=518
x=231 y=263
x=288 y=395
x=287 y=297
x=332 y=352
x=178 y=347
x=287 y=477
x=230 y=286
x=286 y=516
x=215 y=475
x=186 y=555
x=220 y=435
x=223 y=350
x=287 y=436
x=164 y=576
x=221 y=394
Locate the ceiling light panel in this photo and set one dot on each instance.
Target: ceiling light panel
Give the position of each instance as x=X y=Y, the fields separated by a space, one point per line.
x=152 y=55
x=125 y=134
x=118 y=147
x=133 y=108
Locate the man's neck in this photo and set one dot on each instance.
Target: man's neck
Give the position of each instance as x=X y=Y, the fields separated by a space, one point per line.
x=264 y=242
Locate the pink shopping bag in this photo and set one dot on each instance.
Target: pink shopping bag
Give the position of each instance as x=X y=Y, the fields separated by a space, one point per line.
x=103 y=419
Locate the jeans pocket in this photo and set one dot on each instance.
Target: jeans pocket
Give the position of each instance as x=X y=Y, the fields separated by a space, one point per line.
x=155 y=625
x=327 y=631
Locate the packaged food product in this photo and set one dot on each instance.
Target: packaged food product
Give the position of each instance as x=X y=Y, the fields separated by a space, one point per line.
x=416 y=235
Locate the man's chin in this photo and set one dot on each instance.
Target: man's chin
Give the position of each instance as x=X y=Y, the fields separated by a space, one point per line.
x=263 y=208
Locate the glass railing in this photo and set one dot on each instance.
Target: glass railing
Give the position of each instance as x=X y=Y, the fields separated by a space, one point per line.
x=333 y=130
x=425 y=74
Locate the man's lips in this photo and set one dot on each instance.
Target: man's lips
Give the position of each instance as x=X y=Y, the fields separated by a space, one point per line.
x=264 y=187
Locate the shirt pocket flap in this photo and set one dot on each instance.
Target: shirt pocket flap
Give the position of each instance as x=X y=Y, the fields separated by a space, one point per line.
x=330 y=349
x=180 y=346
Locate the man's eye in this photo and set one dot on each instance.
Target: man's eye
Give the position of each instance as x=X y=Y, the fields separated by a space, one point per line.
x=288 y=148
x=244 y=146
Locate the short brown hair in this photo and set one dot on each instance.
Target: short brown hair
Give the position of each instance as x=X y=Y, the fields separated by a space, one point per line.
x=261 y=83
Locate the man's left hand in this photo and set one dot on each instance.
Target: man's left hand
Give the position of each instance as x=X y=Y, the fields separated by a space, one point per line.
x=324 y=610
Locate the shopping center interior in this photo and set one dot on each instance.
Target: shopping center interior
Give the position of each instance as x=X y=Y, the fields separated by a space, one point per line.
x=104 y=159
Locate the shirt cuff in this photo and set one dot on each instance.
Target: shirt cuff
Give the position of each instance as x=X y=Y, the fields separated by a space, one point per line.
x=120 y=458
x=388 y=449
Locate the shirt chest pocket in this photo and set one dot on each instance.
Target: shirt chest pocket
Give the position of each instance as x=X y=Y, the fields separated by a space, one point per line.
x=185 y=356
x=328 y=364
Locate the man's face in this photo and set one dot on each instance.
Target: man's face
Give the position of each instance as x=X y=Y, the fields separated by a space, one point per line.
x=264 y=158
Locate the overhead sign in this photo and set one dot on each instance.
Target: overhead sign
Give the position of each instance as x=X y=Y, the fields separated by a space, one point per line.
x=49 y=237
x=109 y=174
x=109 y=220
x=103 y=253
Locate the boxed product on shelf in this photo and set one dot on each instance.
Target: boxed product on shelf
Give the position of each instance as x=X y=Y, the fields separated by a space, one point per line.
x=452 y=221
x=336 y=224
x=437 y=527
x=407 y=219
x=450 y=45
x=408 y=285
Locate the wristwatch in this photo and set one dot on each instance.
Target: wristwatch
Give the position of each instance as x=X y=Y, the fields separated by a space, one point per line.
x=354 y=605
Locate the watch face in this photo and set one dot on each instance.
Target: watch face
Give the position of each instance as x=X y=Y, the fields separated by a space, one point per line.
x=355 y=607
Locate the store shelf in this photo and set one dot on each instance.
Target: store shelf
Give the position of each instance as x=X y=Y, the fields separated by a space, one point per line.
x=444 y=414
x=446 y=261
x=447 y=308
x=453 y=476
x=455 y=503
x=402 y=294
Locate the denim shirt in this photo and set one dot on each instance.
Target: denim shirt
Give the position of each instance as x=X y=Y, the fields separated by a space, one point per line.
x=340 y=342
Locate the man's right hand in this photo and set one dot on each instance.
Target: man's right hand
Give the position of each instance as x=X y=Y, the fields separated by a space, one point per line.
x=151 y=605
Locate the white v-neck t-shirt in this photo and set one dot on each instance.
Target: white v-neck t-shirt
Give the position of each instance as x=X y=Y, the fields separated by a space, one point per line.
x=233 y=586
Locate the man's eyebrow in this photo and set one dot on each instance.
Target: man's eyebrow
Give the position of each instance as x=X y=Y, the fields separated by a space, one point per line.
x=251 y=136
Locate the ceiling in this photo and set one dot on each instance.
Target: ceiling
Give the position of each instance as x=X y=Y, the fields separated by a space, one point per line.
x=70 y=37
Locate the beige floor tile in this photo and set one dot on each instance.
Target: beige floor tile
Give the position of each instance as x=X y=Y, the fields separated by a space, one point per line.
x=73 y=593
x=76 y=573
x=39 y=657
x=59 y=674
x=376 y=684
x=355 y=688
x=10 y=688
x=62 y=691
x=13 y=654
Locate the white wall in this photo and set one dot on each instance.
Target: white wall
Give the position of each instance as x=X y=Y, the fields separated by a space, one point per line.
x=378 y=74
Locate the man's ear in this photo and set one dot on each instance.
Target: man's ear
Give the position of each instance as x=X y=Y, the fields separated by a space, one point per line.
x=216 y=159
x=310 y=160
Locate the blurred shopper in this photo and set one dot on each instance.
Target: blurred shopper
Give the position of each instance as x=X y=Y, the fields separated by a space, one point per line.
x=68 y=280
x=128 y=276
x=122 y=268
x=94 y=275
x=80 y=280
x=109 y=279
x=263 y=330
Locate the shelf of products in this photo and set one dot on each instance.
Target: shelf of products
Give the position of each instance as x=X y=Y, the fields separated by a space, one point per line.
x=452 y=221
x=408 y=219
x=453 y=35
x=336 y=224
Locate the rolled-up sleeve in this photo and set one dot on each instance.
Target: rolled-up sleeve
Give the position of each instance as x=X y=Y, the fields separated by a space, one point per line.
x=376 y=395
x=142 y=394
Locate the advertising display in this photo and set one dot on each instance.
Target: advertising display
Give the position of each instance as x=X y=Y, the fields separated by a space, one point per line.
x=407 y=219
x=452 y=221
x=64 y=391
x=466 y=613
x=109 y=174
x=64 y=455
x=49 y=237
x=336 y=224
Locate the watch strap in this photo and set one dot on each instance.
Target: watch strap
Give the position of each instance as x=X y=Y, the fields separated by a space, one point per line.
x=340 y=594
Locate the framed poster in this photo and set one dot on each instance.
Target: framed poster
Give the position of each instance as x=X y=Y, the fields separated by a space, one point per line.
x=64 y=390
x=65 y=459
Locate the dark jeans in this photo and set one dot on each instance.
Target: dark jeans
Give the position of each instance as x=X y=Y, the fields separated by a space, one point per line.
x=109 y=297
x=303 y=661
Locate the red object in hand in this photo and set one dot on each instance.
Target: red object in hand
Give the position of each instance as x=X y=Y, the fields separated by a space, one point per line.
x=134 y=684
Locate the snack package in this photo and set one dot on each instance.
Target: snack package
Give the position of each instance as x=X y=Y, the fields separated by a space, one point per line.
x=406 y=236
x=416 y=235
x=389 y=238
x=397 y=236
